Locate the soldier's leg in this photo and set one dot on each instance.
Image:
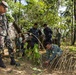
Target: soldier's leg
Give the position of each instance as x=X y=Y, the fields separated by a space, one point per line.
x=10 y=49
x=1 y=62
x=23 y=49
x=23 y=54
x=1 y=48
x=12 y=62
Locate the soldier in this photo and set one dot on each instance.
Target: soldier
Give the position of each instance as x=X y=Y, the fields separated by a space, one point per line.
x=58 y=37
x=4 y=38
x=36 y=33
x=52 y=51
x=48 y=33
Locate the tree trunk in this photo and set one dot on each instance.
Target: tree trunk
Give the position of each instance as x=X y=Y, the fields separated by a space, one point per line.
x=74 y=39
x=15 y=1
x=15 y=17
x=72 y=26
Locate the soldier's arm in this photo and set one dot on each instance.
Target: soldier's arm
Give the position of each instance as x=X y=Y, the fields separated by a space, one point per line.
x=52 y=57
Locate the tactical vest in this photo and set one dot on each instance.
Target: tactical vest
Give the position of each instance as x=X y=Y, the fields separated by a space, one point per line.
x=35 y=32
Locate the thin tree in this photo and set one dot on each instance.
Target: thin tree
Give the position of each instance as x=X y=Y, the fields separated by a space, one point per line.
x=74 y=39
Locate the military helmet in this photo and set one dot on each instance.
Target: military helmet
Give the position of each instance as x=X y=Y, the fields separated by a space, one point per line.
x=4 y=3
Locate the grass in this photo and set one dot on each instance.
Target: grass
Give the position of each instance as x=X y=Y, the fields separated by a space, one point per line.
x=67 y=46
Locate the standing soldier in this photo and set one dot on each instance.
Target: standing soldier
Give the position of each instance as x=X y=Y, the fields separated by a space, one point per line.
x=58 y=37
x=36 y=33
x=4 y=38
x=48 y=33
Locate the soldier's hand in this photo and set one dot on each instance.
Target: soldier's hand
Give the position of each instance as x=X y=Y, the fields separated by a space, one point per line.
x=31 y=37
x=47 y=62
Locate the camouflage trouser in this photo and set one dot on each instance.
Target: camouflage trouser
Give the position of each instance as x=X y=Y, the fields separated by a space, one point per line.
x=2 y=37
x=2 y=41
x=3 y=29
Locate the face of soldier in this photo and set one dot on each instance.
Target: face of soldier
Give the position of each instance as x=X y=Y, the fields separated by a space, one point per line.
x=48 y=46
x=3 y=9
x=35 y=26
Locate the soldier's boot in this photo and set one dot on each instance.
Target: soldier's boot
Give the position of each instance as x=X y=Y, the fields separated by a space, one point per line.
x=13 y=62
x=1 y=62
x=23 y=54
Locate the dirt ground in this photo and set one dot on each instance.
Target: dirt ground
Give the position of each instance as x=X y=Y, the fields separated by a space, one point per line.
x=26 y=68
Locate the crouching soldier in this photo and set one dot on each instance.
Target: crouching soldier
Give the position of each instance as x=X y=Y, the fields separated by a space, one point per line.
x=51 y=52
x=3 y=34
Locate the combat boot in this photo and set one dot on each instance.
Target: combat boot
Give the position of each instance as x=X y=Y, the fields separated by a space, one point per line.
x=1 y=62
x=13 y=62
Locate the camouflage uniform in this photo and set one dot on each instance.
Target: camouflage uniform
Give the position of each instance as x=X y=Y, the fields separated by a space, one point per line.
x=3 y=30
x=4 y=39
x=55 y=51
